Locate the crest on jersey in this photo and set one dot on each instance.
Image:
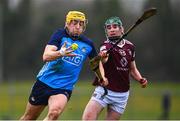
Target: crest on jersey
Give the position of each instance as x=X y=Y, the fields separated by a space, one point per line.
x=83 y=50
x=122 y=52
x=129 y=51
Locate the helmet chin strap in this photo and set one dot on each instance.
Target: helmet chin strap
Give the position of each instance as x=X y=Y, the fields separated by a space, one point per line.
x=113 y=39
x=73 y=36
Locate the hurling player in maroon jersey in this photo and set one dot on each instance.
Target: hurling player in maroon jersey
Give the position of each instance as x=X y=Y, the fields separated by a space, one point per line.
x=118 y=65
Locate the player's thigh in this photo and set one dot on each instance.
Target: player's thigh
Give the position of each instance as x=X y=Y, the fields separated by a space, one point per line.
x=112 y=114
x=33 y=111
x=92 y=110
x=57 y=102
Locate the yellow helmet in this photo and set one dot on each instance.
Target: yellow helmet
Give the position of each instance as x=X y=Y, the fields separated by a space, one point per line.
x=75 y=15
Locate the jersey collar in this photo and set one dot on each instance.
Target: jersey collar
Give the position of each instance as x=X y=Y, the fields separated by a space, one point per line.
x=121 y=43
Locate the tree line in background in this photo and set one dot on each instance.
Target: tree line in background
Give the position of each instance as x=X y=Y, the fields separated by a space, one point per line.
x=28 y=28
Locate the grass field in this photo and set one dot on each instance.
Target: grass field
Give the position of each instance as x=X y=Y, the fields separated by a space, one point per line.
x=142 y=103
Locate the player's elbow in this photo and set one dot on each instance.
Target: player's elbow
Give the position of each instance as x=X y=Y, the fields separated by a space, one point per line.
x=132 y=72
x=45 y=58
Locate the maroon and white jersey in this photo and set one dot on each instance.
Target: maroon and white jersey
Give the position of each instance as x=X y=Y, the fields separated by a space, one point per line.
x=118 y=65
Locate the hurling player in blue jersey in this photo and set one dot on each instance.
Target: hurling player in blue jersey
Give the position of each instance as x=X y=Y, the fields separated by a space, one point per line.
x=57 y=78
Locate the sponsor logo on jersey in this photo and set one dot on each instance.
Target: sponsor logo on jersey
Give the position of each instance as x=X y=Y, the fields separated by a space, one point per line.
x=123 y=62
x=122 y=69
x=75 y=60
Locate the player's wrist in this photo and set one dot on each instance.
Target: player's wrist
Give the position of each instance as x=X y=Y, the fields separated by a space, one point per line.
x=143 y=82
x=62 y=51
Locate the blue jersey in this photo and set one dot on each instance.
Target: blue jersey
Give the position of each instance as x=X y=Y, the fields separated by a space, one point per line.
x=64 y=72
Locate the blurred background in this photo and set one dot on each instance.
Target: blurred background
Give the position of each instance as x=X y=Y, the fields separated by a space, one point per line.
x=26 y=27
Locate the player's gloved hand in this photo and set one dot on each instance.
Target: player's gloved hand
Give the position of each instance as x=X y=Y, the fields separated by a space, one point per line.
x=143 y=82
x=66 y=51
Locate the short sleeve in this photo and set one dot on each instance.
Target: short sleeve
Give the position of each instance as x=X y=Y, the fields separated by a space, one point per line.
x=133 y=54
x=105 y=46
x=93 y=52
x=56 y=37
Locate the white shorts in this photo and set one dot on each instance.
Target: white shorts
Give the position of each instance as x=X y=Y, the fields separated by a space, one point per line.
x=115 y=100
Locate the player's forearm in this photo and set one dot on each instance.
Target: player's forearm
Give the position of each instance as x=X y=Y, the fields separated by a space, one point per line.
x=134 y=71
x=101 y=68
x=50 y=56
x=105 y=80
x=136 y=74
x=104 y=60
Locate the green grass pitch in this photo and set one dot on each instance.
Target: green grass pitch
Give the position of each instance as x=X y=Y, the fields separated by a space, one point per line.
x=142 y=103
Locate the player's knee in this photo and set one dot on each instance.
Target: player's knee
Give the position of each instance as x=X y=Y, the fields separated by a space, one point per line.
x=54 y=114
x=89 y=116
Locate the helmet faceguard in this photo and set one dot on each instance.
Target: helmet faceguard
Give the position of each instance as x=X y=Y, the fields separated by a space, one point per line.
x=78 y=16
x=112 y=20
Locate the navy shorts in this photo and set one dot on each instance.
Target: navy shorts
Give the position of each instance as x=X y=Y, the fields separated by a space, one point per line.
x=41 y=92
